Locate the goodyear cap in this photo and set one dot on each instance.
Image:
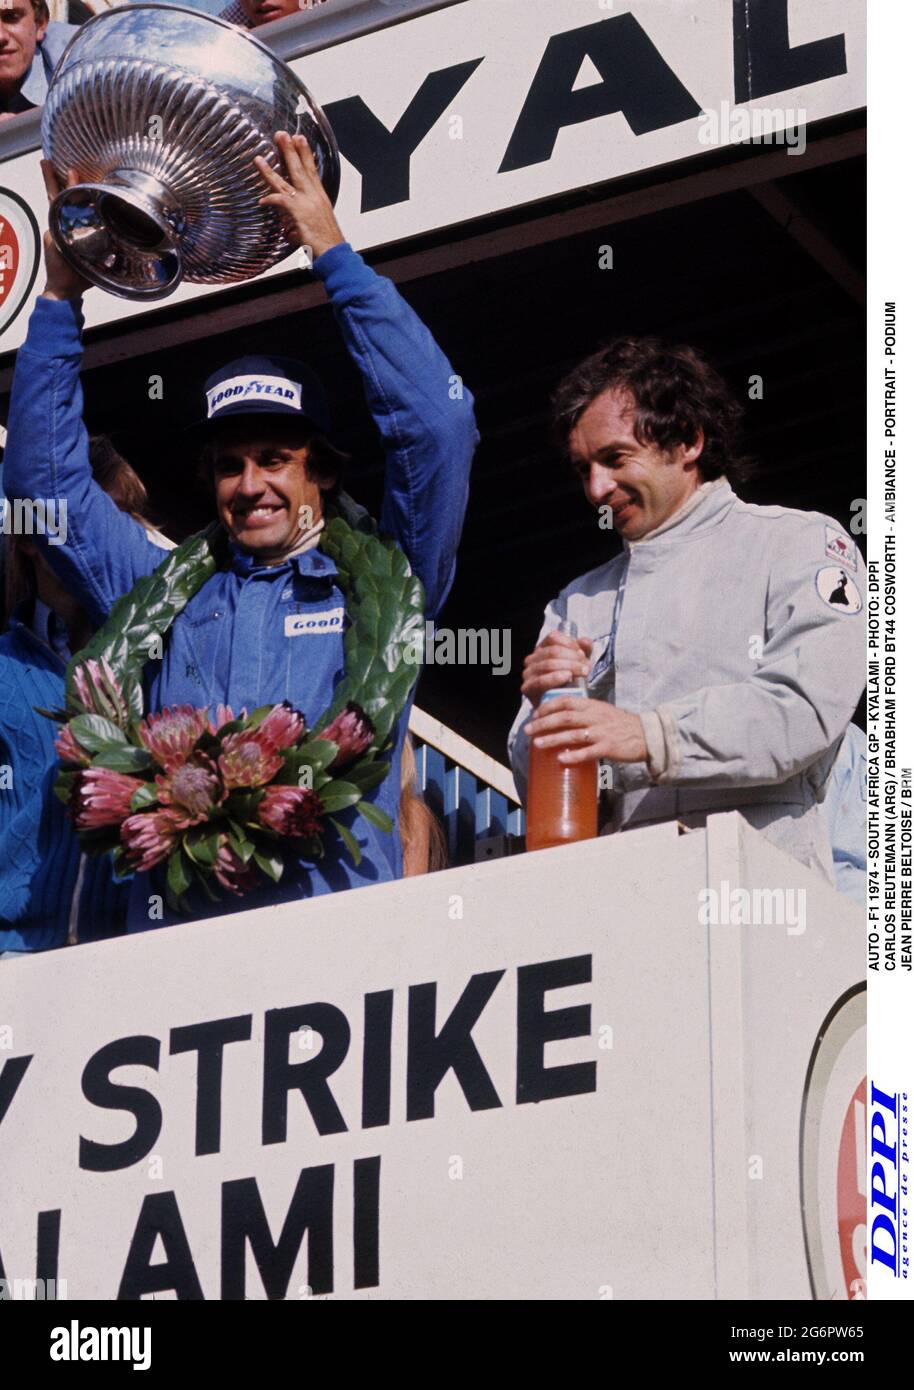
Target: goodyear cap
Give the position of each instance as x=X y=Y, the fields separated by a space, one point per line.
x=257 y=385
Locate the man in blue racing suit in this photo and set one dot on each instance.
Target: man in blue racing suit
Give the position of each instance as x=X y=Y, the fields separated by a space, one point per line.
x=269 y=626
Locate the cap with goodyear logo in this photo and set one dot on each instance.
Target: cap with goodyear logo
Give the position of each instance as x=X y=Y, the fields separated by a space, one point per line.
x=266 y=385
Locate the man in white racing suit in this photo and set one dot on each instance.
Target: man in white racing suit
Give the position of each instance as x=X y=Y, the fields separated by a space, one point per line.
x=724 y=647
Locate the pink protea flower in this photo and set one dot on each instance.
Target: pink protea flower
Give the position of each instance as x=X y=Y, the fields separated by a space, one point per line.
x=224 y=716
x=284 y=725
x=169 y=737
x=149 y=837
x=99 y=693
x=352 y=731
x=68 y=750
x=232 y=872
x=249 y=758
x=290 y=811
x=192 y=791
x=101 y=797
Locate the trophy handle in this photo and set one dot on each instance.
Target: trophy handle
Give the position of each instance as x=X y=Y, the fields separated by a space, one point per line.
x=126 y=230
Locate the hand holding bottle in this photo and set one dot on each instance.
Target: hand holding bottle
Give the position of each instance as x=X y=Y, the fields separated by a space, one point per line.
x=560 y=660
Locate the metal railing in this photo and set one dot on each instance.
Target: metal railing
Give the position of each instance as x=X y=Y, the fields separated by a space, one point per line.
x=472 y=795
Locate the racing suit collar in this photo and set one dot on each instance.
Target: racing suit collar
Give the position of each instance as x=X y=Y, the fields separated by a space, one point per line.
x=312 y=563
x=704 y=508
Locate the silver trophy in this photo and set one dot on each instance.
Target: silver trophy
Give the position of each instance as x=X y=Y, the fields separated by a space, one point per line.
x=162 y=110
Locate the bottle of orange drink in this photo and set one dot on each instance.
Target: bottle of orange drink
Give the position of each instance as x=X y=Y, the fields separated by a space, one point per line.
x=561 y=797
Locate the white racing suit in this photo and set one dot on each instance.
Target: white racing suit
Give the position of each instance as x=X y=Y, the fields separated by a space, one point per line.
x=737 y=632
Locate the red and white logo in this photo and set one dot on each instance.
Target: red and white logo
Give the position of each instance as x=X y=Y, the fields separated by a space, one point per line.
x=834 y=1154
x=840 y=548
x=850 y=1195
x=20 y=244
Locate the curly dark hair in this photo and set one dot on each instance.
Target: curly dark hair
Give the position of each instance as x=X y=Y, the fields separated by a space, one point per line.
x=676 y=392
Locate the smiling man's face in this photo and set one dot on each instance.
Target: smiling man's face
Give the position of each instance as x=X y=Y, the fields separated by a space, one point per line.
x=266 y=497
x=642 y=483
x=19 y=36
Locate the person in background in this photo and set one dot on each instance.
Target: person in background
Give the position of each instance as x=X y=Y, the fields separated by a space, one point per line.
x=30 y=46
x=424 y=845
x=251 y=14
x=50 y=894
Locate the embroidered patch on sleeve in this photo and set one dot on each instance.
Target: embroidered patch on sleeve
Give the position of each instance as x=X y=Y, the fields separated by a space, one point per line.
x=835 y=587
x=839 y=547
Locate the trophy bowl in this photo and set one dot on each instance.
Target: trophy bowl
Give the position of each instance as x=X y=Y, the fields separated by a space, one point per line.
x=161 y=110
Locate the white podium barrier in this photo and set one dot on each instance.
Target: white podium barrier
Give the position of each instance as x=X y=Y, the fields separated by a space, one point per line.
x=543 y=1077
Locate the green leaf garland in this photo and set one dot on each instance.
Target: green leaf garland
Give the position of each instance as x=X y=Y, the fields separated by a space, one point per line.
x=385 y=605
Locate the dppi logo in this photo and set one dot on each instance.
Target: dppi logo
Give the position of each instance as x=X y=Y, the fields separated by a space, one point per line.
x=884 y=1178
x=19 y=245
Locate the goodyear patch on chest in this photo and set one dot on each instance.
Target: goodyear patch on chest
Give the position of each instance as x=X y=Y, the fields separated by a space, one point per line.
x=314 y=624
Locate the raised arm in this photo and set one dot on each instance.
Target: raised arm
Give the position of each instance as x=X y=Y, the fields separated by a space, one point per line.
x=98 y=551
x=420 y=406
x=422 y=411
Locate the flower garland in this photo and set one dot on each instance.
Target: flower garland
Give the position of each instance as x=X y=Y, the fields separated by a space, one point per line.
x=228 y=801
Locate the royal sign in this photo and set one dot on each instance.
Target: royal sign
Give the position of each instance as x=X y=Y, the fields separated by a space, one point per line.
x=491 y=105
